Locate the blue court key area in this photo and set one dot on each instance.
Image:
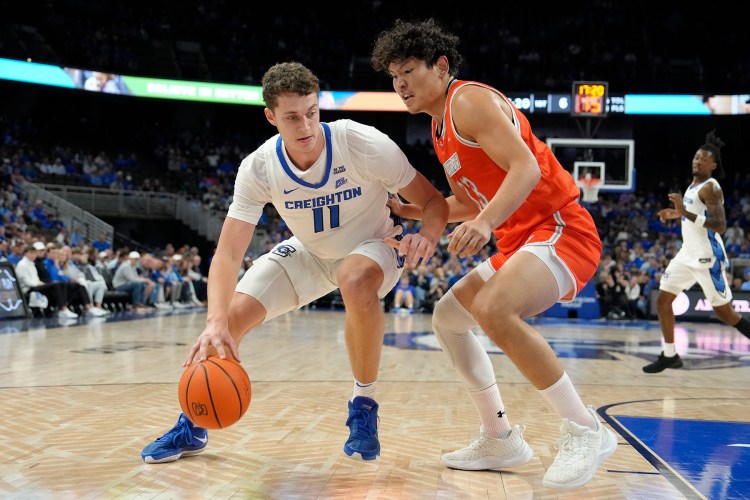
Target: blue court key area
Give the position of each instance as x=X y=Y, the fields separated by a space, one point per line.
x=714 y=457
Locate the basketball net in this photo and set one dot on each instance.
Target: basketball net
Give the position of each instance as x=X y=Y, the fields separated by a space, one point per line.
x=589 y=188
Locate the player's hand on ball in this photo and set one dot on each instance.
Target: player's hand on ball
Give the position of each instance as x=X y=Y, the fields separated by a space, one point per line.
x=213 y=339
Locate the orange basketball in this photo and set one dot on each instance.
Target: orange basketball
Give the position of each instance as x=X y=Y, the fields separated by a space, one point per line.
x=214 y=393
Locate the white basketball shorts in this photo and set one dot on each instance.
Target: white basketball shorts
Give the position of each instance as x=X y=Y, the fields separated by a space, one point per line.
x=289 y=277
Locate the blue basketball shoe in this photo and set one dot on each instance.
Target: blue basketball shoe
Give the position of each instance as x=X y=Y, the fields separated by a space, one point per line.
x=184 y=439
x=363 y=441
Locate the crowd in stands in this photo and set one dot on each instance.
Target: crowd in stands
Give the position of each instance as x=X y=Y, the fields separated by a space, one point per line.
x=61 y=273
x=514 y=49
x=198 y=167
x=637 y=246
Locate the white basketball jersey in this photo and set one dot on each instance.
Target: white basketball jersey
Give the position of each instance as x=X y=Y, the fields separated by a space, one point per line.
x=337 y=203
x=701 y=247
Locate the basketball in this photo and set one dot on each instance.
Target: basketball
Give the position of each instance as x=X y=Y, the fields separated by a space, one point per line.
x=214 y=393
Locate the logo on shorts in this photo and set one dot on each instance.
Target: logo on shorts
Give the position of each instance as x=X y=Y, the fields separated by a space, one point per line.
x=284 y=250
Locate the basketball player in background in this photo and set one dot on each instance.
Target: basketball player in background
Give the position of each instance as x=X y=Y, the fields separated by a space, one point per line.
x=507 y=182
x=702 y=257
x=330 y=183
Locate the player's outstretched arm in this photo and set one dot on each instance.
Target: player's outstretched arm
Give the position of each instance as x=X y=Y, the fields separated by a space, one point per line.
x=434 y=211
x=234 y=241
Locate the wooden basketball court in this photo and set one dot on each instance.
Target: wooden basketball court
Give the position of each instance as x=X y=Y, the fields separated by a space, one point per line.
x=81 y=400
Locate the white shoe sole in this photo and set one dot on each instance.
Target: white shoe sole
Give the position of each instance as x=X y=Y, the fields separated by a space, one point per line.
x=173 y=458
x=492 y=463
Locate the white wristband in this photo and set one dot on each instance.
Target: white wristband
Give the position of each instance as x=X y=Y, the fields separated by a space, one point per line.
x=700 y=220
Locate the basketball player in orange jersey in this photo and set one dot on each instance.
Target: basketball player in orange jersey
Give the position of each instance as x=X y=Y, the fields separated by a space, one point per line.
x=507 y=182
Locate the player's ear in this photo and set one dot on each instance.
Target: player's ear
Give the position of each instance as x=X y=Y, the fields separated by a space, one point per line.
x=443 y=65
x=269 y=116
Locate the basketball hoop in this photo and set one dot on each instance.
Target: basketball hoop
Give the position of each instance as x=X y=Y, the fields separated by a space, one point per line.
x=589 y=188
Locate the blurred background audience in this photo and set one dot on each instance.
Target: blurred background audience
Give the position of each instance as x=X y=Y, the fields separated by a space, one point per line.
x=120 y=143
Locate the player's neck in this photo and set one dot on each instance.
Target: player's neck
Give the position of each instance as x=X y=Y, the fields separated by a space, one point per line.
x=697 y=179
x=439 y=111
x=303 y=160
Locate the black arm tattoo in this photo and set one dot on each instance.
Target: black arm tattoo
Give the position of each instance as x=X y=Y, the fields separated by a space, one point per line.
x=713 y=197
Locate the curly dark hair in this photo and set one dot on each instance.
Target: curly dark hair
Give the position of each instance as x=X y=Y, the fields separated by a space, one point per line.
x=713 y=146
x=423 y=40
x=288 y=78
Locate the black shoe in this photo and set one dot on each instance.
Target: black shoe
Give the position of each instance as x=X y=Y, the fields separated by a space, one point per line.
x=662 y=363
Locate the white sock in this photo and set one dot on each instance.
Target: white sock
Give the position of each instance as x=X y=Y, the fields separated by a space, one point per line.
x=366 y=390
x=567 y=403
x=669 y=350
x=491 y=410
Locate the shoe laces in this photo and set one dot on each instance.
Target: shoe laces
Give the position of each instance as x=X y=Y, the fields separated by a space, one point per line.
x=180 y=433
x=571 y=448
x=360 y=423
x=476 y=442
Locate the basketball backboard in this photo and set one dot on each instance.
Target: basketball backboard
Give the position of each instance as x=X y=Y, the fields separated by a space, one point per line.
x=609 y=159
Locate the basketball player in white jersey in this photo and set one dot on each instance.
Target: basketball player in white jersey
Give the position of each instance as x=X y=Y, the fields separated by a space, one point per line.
x=330 y=183
x=702 y=257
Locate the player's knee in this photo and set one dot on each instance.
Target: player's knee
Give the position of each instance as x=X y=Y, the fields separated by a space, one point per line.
x=359 y=282
x=664 y=300
x=440 y=311
x=487 y=309
x=449 y=317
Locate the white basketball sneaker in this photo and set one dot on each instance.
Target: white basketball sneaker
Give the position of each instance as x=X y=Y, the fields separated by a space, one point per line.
x=581 y=452
x=486 y=452
x=66 y=313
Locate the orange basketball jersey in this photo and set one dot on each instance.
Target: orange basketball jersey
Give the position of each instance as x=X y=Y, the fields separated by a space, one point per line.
x=552 y=205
